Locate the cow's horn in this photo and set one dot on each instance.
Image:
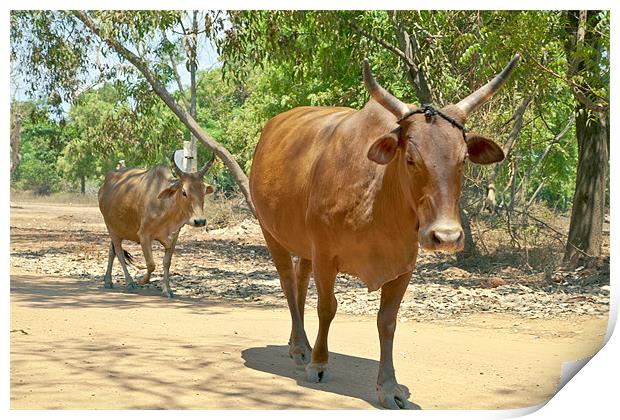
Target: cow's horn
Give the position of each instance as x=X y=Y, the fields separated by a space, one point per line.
x=486 y=92
x=175 y=168
x=207 y=165
x=379 y=94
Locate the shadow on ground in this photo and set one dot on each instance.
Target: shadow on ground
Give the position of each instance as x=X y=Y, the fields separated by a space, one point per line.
x=58 y=293
x=350 y=376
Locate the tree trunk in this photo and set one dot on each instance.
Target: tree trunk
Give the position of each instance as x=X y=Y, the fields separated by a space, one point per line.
x=193 y=67
x=533 y=197
x=469 y=248
x=83 y=184
x=491 y=201
x=513 y=183
x=588 y=212
x=15 y=139
x=209 y=142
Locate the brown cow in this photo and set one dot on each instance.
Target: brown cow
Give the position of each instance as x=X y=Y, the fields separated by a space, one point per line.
x=355 y=191
x=145 y=205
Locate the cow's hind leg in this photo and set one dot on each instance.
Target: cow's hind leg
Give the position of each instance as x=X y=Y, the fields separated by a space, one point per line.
x=299 y=347
x=390 y=393
x=325 y=272
x=107 y=279
x=166 y=291
x=147 y=251
x=118 y=249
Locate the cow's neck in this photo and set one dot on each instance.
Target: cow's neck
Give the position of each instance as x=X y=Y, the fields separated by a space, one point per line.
x=174 y=216
x=394 y=198
x=384 y=195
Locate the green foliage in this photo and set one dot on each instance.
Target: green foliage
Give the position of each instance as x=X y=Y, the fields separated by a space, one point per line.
x=103 y=127
x=312 y=58
x=275 y=60
x=42 y=142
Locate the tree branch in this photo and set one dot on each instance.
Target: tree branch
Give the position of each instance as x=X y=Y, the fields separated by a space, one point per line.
x=177 y=77
x=555 y=231
x=546 y=151
x=415 y=75
x=575 y=88
x=577 y=91
x=517 y=117
x=384 y=44
x=518 y=125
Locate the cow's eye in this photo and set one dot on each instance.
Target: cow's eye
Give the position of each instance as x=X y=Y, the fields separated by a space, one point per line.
x=184 y=193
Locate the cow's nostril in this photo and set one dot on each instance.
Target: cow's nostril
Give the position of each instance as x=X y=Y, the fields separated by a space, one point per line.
x=440 y=237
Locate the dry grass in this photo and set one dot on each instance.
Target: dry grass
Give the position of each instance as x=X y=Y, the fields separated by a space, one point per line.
x=220 y=211
x=72 y=199
x=224 y=211
x=523 y=243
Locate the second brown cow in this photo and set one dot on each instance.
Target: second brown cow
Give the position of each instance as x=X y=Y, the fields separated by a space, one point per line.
x=146 y=205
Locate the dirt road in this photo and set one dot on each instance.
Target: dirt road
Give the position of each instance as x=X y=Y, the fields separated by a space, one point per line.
x=75 y=345
x=78 y=346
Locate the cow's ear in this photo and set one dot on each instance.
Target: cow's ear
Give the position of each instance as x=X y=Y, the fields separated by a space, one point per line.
x=384 y=148
x=482 y=150
x=171 y=190
x=209 y=189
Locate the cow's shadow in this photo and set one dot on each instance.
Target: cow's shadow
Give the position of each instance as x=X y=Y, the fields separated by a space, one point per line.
x=348 y=375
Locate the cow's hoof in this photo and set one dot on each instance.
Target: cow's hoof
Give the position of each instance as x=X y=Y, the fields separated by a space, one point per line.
x=316 y=372
x=300 y=354
x=130 y=286
x=392 y=396
x=108 y=285
x=167 y=293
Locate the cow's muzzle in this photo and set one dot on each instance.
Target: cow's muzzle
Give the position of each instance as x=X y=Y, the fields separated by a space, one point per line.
x=198 y=222
x=443 y=237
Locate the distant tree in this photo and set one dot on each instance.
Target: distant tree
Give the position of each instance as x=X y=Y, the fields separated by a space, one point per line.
x=16 y=128
x=103 y=126
x=41 y=143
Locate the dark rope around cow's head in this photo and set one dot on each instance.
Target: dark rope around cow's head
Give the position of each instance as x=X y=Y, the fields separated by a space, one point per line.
x=430 y=111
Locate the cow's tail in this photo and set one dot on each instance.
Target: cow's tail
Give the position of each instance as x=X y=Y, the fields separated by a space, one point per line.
x=128 y=257
x=130 y=260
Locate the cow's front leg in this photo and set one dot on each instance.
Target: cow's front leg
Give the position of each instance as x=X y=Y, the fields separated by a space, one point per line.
x=324 y=278
x=147 y=244
x=167 y=260
x=391 y=394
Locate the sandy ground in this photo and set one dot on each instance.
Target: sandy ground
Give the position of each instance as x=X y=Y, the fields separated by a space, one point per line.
x=75 y=345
